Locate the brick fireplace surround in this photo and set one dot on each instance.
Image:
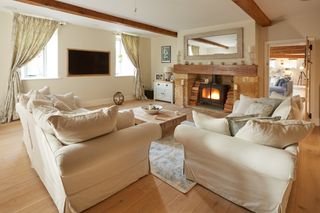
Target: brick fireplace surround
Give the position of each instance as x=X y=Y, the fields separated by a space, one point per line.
x=245 y=80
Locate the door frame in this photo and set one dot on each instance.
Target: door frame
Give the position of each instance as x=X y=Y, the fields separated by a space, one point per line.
x=268 y=45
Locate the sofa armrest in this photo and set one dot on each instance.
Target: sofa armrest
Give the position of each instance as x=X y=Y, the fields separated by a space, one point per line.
x=76 y=157
x=236 y=153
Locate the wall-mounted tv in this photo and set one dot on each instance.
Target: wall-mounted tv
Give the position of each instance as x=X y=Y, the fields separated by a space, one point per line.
x=83 y=62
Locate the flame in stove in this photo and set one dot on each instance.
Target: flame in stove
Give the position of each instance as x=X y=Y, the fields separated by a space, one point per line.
x=215 y=93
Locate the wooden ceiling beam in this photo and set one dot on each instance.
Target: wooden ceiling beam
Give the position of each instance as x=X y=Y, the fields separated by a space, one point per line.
x=80 y=11
x=202 y=40
x=297 y=49
x=254 y=11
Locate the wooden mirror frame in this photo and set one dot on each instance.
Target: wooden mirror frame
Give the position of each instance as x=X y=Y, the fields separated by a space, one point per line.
x=239 y=54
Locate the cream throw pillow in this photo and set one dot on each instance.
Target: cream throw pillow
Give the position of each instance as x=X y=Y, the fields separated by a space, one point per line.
x=261 y=109
x=218 y=125
x=68 y=99
x=290 y=108
x=61 y=105
x=277 y=134
x=76 y=128
x=41 y=115
x=36 y=96
x=244 y=103
x=125 y=119
x=45 y=90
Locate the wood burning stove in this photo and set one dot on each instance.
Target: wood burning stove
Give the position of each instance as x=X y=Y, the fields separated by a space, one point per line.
x=213 y=94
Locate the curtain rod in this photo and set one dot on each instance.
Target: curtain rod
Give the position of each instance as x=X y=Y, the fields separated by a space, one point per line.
x=62 y=23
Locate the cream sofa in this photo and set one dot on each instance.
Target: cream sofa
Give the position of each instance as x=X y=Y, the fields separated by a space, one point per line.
x=80 y=175
x=251 y=175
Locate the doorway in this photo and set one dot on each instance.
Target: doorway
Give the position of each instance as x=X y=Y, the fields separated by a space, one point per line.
x=287 y=74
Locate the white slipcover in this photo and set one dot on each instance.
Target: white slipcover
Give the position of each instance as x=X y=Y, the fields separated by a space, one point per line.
x=254 y=176
x=79 y=176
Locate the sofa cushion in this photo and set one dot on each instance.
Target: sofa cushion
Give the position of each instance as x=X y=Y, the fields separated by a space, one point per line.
x=277 y=134
x=74 y=128
x=125 y=119
x=259 y=108
x=236 y=123
x=40 y=98
x=68 y=99
x=62 y=106
x=219 y=125
x=274 y=102
x=290 y=108
x=44 y=90
x=41 y=115
x=244 y=103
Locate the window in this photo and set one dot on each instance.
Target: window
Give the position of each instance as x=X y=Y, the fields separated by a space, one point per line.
x=45 y=64
x=124 y=66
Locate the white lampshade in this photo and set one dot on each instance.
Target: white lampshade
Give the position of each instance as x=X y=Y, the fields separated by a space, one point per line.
x=167 y=69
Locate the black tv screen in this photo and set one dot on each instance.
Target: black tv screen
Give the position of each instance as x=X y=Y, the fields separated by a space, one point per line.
x=81 y=62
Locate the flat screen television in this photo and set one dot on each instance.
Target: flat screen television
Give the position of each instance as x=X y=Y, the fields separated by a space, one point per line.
x=83 y=62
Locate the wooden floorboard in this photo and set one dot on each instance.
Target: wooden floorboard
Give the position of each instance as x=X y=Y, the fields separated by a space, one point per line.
x=22 y=191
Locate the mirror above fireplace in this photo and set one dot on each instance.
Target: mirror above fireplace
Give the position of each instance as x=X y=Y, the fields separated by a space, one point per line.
x=222 y=44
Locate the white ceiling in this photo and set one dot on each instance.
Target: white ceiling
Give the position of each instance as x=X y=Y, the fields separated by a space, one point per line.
x=174 y=15
x=278 y=9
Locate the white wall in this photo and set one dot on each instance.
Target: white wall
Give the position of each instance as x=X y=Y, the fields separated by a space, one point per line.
x=5 y=53
x=92 y=90
x=156 y=43
x=298 y=27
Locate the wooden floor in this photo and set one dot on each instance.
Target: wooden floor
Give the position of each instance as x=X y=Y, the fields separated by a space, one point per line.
x=22 y=191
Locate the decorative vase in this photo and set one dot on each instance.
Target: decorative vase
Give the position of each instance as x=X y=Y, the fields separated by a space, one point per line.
x=118 y=98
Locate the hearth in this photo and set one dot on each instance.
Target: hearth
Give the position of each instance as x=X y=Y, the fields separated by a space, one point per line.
x=213 y=94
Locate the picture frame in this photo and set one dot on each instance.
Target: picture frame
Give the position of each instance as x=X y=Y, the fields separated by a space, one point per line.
x=165 y=54
x=159 y=77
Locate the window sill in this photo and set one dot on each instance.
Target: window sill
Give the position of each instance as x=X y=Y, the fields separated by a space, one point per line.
x=32 y=79
x=119 y=76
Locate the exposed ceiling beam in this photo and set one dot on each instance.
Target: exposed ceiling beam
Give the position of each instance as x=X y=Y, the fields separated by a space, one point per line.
x=202 y=40
x=80 y=11
x=253 y=10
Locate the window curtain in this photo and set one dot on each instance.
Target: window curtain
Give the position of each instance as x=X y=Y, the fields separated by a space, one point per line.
x=131 y=45
x=29 y=35
x=195 y=50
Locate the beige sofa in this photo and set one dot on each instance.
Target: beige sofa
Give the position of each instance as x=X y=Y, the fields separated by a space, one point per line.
x=251 y=175
x=80 y=175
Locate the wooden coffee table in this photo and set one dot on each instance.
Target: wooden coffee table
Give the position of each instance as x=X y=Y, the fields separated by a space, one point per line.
x=167 y=119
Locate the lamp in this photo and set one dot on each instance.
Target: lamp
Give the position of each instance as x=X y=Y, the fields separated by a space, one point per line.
x=167 y=73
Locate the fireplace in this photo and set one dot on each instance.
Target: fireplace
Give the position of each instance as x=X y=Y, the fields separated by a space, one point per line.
x=213 y=94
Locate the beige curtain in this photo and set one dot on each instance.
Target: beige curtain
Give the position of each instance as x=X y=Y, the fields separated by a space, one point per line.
x=131 y=45
x=195 y=50
x=29 y=35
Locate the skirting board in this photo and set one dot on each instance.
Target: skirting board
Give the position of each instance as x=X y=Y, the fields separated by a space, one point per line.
x=97 y=102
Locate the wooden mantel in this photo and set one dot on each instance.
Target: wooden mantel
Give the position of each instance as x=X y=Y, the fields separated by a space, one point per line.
x=231 y=70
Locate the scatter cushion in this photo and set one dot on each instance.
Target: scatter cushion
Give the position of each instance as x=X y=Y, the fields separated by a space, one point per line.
x=41 y=115
x=291 y=108
x=24 y=98
x=45 y=90
x=275 y=102
x=67 y=99
x=36 y=96
x=259 y=108
x=61 y=105
x=125 y=119
x=236 y=123
x=70 y=128
x=219 y=125
x=244 y=103
x=278 y=134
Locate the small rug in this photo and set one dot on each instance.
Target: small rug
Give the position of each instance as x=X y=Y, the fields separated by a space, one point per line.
x=166 y=163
